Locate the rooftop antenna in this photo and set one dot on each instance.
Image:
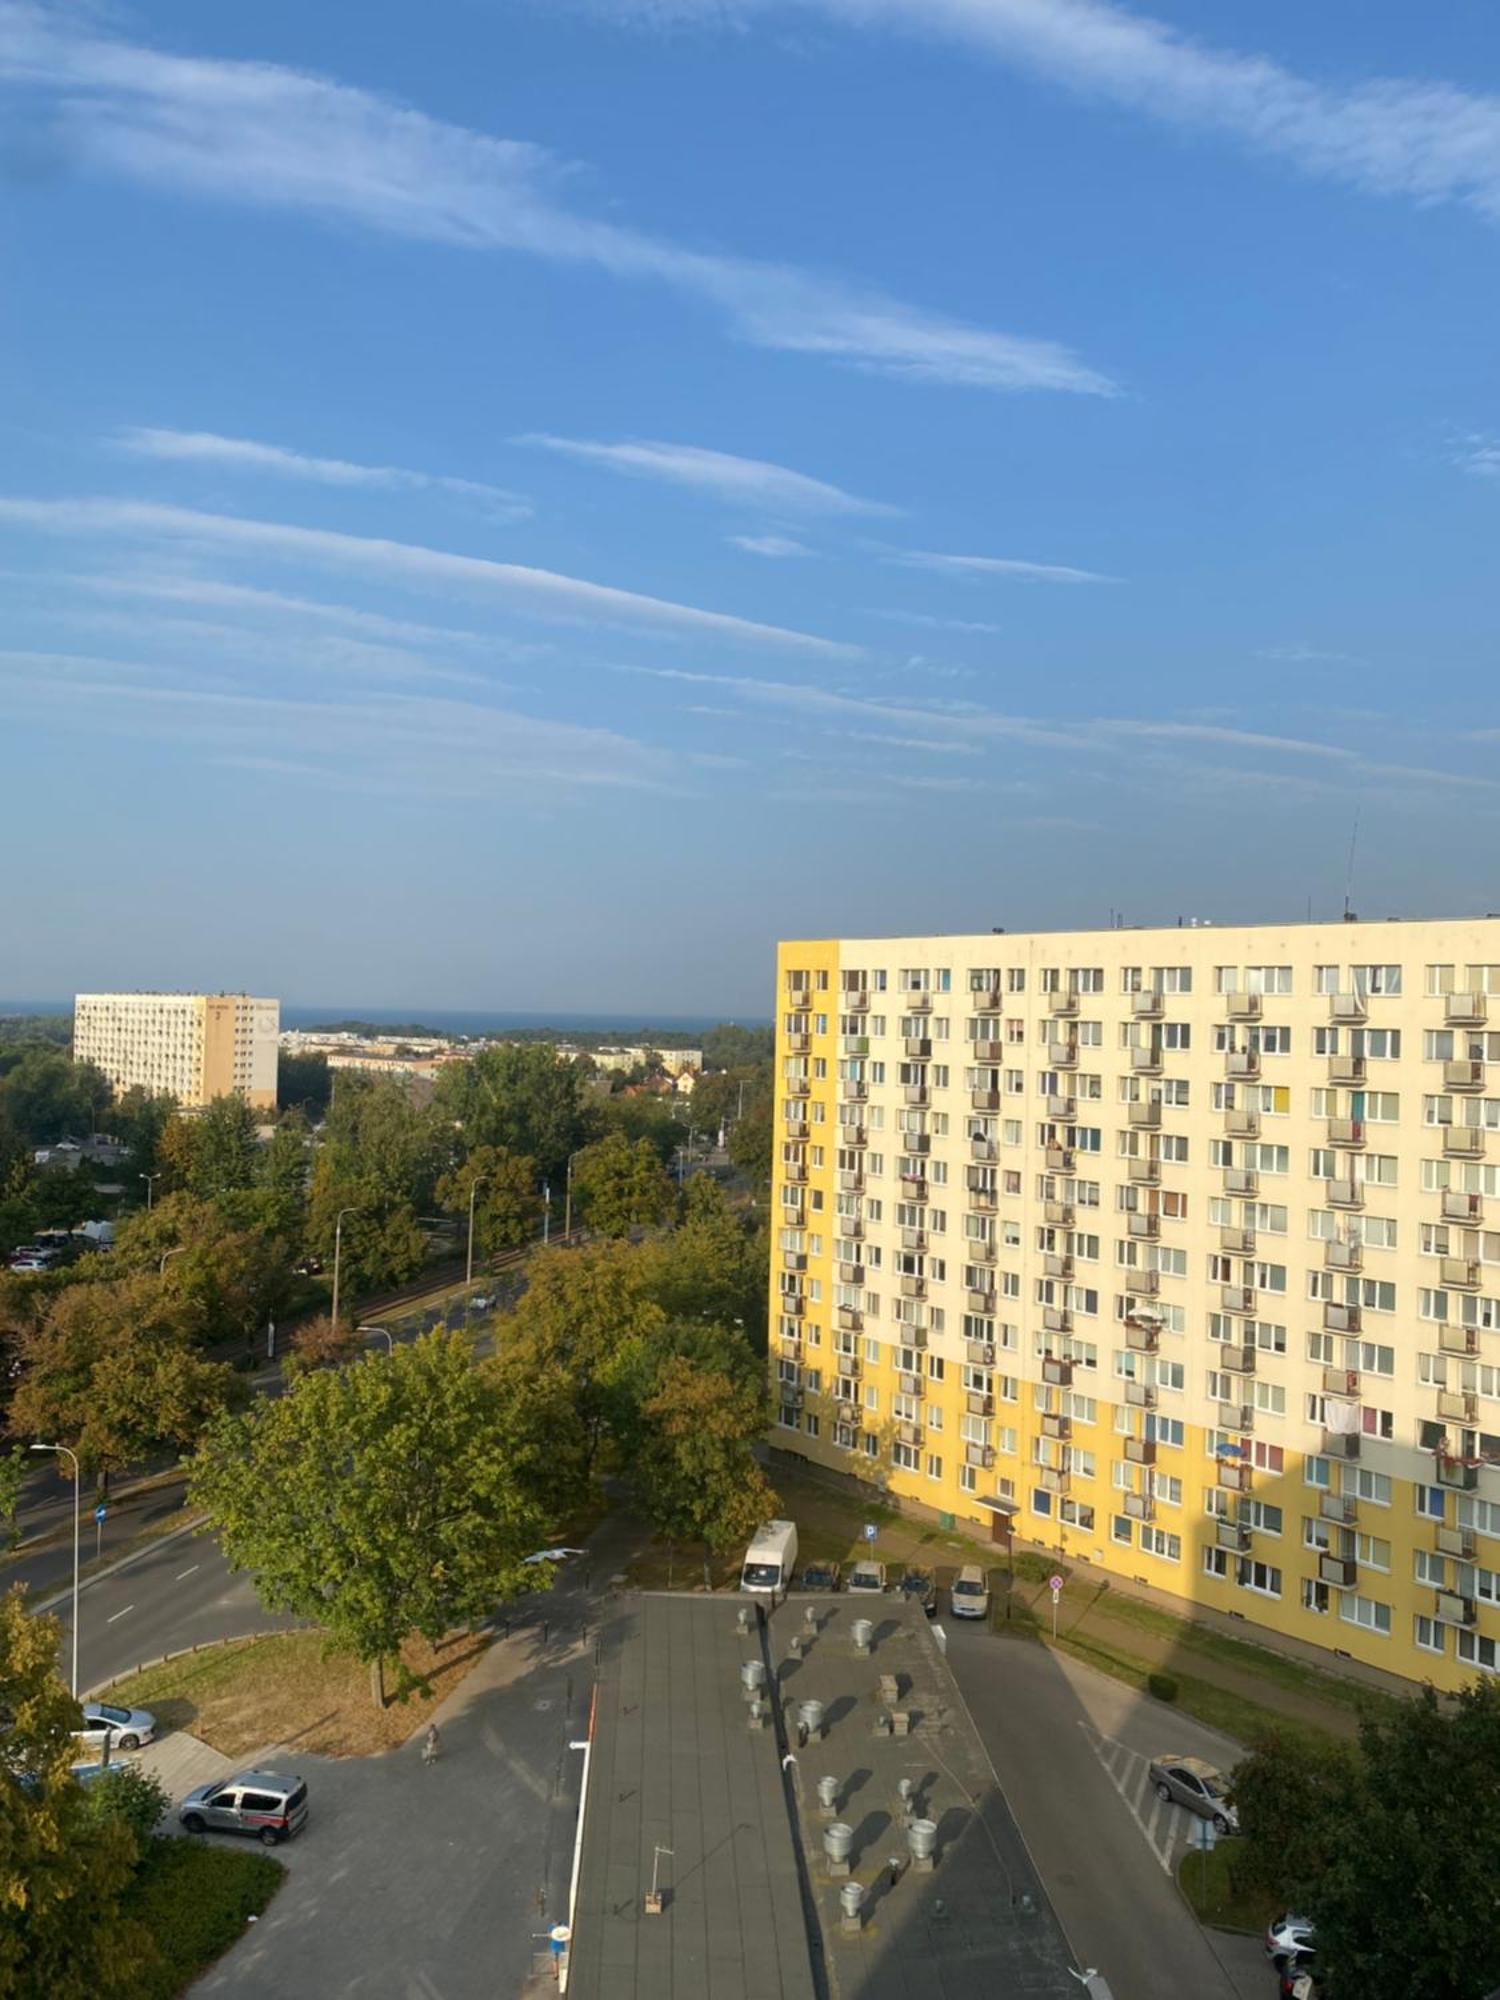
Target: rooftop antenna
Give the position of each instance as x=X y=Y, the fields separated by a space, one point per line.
x=1349 y=875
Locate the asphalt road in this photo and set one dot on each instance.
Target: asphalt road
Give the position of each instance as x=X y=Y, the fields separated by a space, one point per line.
x=1070 y=1748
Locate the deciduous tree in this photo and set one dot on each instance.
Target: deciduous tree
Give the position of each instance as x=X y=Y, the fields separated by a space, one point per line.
x=524 y=1097
x=695 y=1471
x=619 y=1186
x=507 y=1204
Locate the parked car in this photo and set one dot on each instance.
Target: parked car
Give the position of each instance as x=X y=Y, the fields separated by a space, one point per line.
x=120 y=1728
x=1188 y=1781
x=483 y=1302
x=819 y=1576
x=917 y=1587
x=969 y=1594
x=866 y=1577
x=1288 y=1936
x=262 y=1803
x=1299 y=1979
x=90 y=1772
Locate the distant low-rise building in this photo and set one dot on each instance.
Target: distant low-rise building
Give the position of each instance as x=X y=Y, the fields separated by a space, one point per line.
x=191 y=1046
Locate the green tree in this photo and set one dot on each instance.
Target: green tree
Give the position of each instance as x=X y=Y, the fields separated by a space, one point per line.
x=729 y=1046
x=507 y=1205
x=226 y=1280
x=303 y=1083
x=132 y=1796
x=644 y=1118
x=378 y=1132
x=47 y=1096
x=138 y=1120
x=1290 y=1793
x=318 y=1343
x=225 y=1149
x=619 y=1186
x=750 y=1141
x=713 y=1265
x=695 y=1471
x=383 y=1243
x=13 y=1469
x=381 y=1499
x=63 y=1868
x=524 y=1097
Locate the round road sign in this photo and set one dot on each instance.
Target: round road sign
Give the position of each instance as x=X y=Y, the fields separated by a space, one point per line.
x=1055 y=1584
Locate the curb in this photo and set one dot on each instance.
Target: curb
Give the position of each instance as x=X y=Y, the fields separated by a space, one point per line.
x=124 y=1562
x=183 y=1653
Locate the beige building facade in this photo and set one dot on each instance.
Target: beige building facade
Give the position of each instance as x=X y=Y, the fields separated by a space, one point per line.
x=191 y=1046
x=1175 y=1250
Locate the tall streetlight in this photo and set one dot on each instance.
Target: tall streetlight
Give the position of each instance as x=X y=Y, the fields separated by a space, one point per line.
x=568 y=1203
x=385 y=1335
x=478 y=1182
x=68 y=1452
x=149 y=1179
x=338 y=1251
x=161 y=1267
x=546 y=1213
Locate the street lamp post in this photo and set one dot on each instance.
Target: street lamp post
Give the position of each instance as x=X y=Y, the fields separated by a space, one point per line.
x=546 y=1213
x=385 y=1335
x=149 y=1179
x=338 y=1251
x=478 y=1182
x=161 y=1267
x=68 y=1452
x=568 y=1200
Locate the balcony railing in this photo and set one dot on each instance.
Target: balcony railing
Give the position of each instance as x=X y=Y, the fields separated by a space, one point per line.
x=1059 y=1212
x=908 y=1433
x=985 y=1100
x=796 y=1044
x=1340 y=1255
x=1059 y=1159
x=981 y=1456
x=914 y=1239
x=1341 y=1382
x=1147 y=1226
x=1239 y=1242
x=978 y=1404
x=1457 y=1406
x=911 y=1384
x=1052 y=1479
x=1062 y=1055
x=1347 y=1070
x=1140 y=1395
x=914 y=1187
x=1057 y=1264
x=1145 y=1172
x=1455 y=1542
x=986 y=1050
x=1057 y=1319
x=798 y=1086
x=1233 y=1535
x=1140 y=1451
x=1238 y=1360
x=1146 y=1062
x=916 y=1142
x=918 y=1047
x=912 y=1286
x=1142 y=1336
x=1460 y=1473
x=986 y=999
x=1147 y=1006
x=855 y=1090
x=1451 y=1609
x=1145 y=1117
x=856 y=1000
x=1145 y=1284
x=794 y=1170
x=1459 y=1207
x=1346 y=1132
x=1459 y=1273
x=1341 y=1508
x=1237 y=1298
x=980 y=1353
x=1456 y=1339
x=850 y=1318
x=852 y=1273
x=1339 y=1318
x=1242 y=1062
x=1242 y=1124
x=852 y=1226
x=796 y=1126
x=1465 y=1010
x=1347 y=1007
x=1346 y=1194
x=1340 y=1444
x=794 y=1260
x=916 y=1003
x=1341 y=1572
x=1063 y=1109
x=1062 y=1006
x=1057 y=1372
x=1242 y=1006
x=851 y=1180
x=1232 y=1474
x=977 y=1301
x=1464 y=1075
x=1140 y=1506
x=1463 y=1142
x=1056 y=1426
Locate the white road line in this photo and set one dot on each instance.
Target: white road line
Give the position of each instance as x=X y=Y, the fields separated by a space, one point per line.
x=118 y=1614
x=1141 y=1783
x=1128 y=1775
x=188 y=1572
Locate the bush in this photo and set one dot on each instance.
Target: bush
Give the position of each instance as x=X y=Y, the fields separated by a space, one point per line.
x=195 y=1900
x=1163 y=1686
x=132 y=1795
x=1029 y=1568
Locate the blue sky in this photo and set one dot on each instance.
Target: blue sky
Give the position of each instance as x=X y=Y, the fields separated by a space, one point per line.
x=519 y=503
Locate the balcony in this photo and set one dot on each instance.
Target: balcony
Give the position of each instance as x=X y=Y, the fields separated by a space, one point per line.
x=977 y=1300
x=1242 y=1124
x=984 y=1100
x=855 y=1090
x=1140 y=1451
x=1340 y=1444
x=1341 y=1572
x=796 y=1044
x=1347 y=1007
x=1054 y=1426
x=916 y=1003
x=796 y=1127
x=913 y=1286
x=1241 y=1180
x=1146 y=1062
x=1341 y=1508
x=914 y=1239
x=1062 y=1110
x=855 y=1136
x=1459 y=1207
x=910 y=1384
x=1059 y=1159
x=908 y=1433
x=978 y=1404
x=1144 y=1226
x=1232 y=1474
x=1239 y=1242
x=793 y=1218
x=854 y=1228
x=1145 y=1117
x=851 y=1274
x=1241 y=1419
x=791 y=1343
x=1242 y=1062
x=981 y=1456
x=1062 y=1055
x=850 y=1367
x=1242 y=1006
x=1140 y=1396
x=794 y=1260
x=792 y=1395
x=1058 y=1264
x=986 y=999
x=1059 y=1212
x=1142 y=1336
x=798 y=1086
x=1144 y=1284
x=1451 y=1609
x=916 y=1142
x=1346 y=1194
x=1340 y=1318
x=849 y=1318
x=980 y=1353
x=1459 y=1273
x=1057 y=1319
x=851 y=1180
x=918 y=1047
x=1232 y=1535
x=914 y=1187
x=1455 y=1542
x=1062 y=1006
x=855 y=1045
x=983 y=1199
x=1052 y=1479
x=986 y=1050
x=1147 y=1006
x=1346 y=1070
x=1140 y=1506
x=984 y=1150
x=1465 y=1010
x=1237 y=1298
x=1464 y=1075
x=1145 y=1172
x=1463 y=1142
x=1343 y=1382
x=1057 y=1372
x=1457 y=1406
x=856 y=1000
x=1462 y=1474
x=1455 y=1339
x=918 y=1094
x=1349 y=1132
x=1342 y=1255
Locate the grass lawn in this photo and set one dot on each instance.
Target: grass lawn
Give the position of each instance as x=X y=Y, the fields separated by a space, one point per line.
x=195 y=1900
x=1216 y=1897
x=246 y=1694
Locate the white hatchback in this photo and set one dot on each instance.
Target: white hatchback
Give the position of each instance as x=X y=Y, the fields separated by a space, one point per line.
x=969 y=1594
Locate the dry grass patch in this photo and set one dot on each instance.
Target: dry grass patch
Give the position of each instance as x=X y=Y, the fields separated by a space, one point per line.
x=246 y=1694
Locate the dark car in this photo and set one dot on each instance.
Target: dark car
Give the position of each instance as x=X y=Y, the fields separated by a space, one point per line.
x=919 y=1587
x=819 y=1576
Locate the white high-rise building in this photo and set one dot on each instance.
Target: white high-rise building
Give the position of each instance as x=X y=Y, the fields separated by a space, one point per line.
x=191 y=1046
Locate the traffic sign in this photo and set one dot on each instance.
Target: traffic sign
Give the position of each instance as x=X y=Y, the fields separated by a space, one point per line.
x=1207 y=1835
x=1055 y=1584
x=100 y=1511
x=871 y=1531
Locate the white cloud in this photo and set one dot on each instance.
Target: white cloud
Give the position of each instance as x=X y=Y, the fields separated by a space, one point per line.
x=1009 y=566
x=1208 y=732
x=923 y=743
x=1480 y=455
x=541 y=592
x=1410 y=137
x=932 y=623
x=250 y=455
x=747 y=481
x=1304 y=656
x=778 y=547
x=273 y=137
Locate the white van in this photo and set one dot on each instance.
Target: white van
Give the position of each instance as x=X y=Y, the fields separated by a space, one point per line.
x=770 y=1559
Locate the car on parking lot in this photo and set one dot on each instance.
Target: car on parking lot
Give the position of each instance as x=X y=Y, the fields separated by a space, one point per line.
x=866 y=1577
x=1190 y=1782
x=120 y=1728
x=819 y=1576
x=969 y=1594
x=1288 y=1936
x=483 y=1302
x=918 y=1587
x=262 y=1803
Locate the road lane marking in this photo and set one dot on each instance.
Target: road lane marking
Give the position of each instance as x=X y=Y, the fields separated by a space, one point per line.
x=1165 y=1824
x=118 y=1614
x=188 y=1572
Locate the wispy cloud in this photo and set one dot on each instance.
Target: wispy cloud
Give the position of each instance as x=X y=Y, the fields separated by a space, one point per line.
x=777 y=547
x=1208 y=732
x=1008 y=566
x=930 y=622
x=543 y=593
x=273 y=137
x=1305 y=656
x=1410 y=137
x=753 y=482
x=1479 y=455
x=250 y=455
x=929 y=744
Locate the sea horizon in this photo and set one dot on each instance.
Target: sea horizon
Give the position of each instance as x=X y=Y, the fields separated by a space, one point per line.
x=466 y=1020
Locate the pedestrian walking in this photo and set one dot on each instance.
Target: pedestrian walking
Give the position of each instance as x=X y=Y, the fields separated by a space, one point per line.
x=432 y=1745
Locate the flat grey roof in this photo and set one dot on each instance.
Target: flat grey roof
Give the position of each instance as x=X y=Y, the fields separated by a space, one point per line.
x=752 y=1912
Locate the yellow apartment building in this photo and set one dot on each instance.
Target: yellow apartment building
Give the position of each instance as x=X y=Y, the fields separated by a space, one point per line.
x=191 y=1046
x=1177 y=1250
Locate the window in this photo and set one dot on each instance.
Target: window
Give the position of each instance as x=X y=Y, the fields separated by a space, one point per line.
x=1263 y=1578
x=1158 y=1542
x=1428 y=1634
x=1475 y=1651
x=1366 y=1612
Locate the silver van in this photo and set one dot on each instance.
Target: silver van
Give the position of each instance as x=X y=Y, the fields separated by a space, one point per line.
x=271 y=1807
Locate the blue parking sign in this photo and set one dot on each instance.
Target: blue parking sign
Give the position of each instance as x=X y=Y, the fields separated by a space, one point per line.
x=100 y=1511
x=870 y=1531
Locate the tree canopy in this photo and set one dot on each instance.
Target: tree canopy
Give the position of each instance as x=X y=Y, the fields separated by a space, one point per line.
x=619 y=1186
x=524 y=1097
x=507 y=1197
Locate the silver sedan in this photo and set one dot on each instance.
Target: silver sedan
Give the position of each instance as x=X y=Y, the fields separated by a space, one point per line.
x=120 y=1728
